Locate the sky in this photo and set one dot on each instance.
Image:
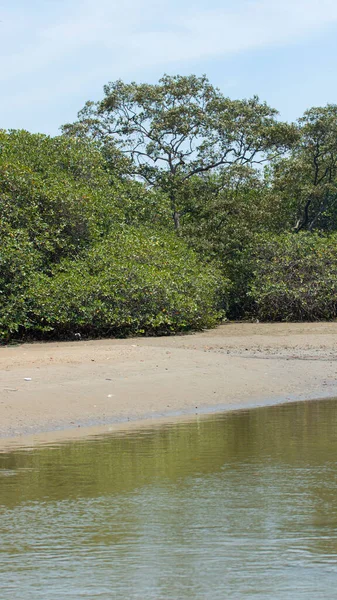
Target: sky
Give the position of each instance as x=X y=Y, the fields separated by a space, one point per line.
x=57 y=54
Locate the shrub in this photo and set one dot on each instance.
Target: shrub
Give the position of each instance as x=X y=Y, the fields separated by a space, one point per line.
x=57 y=191
x=19 y=262
x=75 y=254
x=134 y=282
x=295 y=277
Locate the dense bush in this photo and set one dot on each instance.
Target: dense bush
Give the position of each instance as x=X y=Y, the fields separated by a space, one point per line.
x=19 y=262
x=134 y=282
x=294 y=277
x=74 y=255
x=55 y=200
x=57 y=191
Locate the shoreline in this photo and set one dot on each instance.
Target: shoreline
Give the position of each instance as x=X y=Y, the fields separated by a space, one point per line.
x=56 y=436
x=68 y=390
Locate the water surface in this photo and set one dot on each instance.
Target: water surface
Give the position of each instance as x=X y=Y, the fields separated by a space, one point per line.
x=238 y=506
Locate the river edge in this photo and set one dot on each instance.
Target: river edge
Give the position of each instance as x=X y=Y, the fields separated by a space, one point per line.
x=55 y=392
x=55 y=437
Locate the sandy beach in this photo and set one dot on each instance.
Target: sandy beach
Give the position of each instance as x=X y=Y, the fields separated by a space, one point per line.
x=69 y=387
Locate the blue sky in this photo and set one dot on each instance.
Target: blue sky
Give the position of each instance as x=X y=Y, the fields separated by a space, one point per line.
x=56 y=54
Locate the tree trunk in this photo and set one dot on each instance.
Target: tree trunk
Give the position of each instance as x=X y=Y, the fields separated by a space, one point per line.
x=176 y=220
x=301 y=223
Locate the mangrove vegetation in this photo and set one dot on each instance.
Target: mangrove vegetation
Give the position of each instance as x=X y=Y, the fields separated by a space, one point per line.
x=166 y=208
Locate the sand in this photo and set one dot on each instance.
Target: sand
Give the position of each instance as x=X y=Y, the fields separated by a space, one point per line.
x=69 y=387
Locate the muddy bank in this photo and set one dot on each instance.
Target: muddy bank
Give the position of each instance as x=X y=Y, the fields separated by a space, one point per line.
x=74 y=385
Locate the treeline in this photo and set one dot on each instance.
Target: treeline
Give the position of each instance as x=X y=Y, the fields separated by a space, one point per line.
x=165 y=208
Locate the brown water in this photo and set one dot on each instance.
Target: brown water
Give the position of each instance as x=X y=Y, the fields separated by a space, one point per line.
x=238 y=506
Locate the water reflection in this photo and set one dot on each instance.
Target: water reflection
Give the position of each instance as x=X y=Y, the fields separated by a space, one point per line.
x=238 y=506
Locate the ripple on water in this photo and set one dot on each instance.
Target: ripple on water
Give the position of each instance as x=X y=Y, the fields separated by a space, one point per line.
x=237 y=506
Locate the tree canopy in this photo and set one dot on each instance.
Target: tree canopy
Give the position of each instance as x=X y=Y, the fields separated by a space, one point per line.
x=307 y=179
x=180 y=128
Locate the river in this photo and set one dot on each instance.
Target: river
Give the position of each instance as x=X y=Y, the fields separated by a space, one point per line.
x=234 y=506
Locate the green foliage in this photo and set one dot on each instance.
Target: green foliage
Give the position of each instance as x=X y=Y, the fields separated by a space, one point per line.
x=141 y=205
x=55 y=200
x=134 y=282
x=180 y=128
x=87 y=219
x=306 y=180
x=19 y=261
x=57 y=191
x=295 y=277
x=70 y=257
x=226 y=212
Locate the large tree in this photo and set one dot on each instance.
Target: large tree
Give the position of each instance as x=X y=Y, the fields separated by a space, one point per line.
x=307 y=179
x=179 y=129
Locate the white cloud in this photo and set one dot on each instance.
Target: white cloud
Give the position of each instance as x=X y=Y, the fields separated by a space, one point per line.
x=135 y=35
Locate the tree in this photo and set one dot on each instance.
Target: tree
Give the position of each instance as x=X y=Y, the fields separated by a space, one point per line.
x=181 y=128
x=307 y=180
x=226 y=212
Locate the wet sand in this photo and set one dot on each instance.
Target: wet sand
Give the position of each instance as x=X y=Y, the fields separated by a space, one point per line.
x=66 y=388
